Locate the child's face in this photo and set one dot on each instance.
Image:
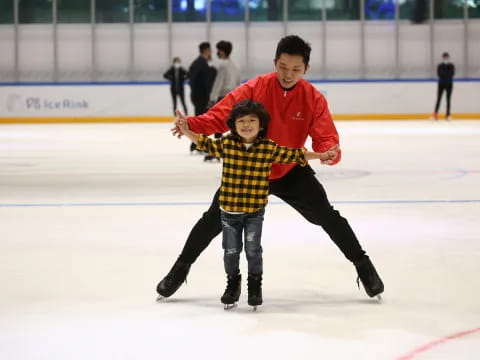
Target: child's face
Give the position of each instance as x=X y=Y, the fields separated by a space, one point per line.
x=248 y=127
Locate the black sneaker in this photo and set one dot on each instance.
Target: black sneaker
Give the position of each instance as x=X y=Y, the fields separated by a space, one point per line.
x=255 y=289
x=233 y=290
x=371 y=282
x=177 y=275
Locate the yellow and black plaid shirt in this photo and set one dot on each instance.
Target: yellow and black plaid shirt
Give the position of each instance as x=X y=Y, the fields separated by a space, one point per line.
x=245 y=172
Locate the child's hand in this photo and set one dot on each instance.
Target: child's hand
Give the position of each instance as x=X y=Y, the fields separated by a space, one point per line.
x=330 y=155
x=180 y=125
x=327 y=155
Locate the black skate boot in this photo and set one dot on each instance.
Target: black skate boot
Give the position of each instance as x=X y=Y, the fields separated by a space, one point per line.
x=255 y=290
x=372 y=283
x=170 y=283
x=232 y=292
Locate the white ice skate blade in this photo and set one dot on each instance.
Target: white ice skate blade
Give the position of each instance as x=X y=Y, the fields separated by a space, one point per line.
x=229 y=306
x=379 y=299
x=160 y=298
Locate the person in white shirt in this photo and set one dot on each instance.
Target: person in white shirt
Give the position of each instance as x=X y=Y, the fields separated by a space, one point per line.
x=228 y=76
x=227 y=79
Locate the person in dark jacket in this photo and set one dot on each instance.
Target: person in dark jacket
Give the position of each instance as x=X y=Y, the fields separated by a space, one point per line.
x=177 y=75
x=445 y=72
x=202 y=76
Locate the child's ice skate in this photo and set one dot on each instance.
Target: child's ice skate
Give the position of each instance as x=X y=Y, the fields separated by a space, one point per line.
x=367 y=274
x=255 y=290
x=232 y=292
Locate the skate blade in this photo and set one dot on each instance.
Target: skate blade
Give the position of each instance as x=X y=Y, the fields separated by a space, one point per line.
x=379 y=299
x=160 y=299
x=229 y=306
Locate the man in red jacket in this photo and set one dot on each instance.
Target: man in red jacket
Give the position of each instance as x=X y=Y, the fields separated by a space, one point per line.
x=297 y=110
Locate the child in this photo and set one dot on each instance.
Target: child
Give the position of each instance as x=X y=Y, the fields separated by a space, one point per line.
x=247 y=158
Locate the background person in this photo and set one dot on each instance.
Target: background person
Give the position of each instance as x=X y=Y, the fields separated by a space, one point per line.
x=177 y=75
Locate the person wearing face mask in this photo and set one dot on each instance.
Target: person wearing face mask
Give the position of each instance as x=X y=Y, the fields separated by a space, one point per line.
x=177 y=75
x=445 y=73
x=297 y=111
x=227 y=79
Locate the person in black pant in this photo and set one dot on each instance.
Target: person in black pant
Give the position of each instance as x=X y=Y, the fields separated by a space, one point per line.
x=177 y=75
x=286 y=95
x=202 y=76
x=445 y=72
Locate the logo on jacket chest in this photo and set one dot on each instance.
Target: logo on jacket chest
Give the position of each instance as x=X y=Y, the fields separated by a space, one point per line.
x=298 y=116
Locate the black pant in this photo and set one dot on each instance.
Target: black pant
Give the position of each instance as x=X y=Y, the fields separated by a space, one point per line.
x=448 y=87
x=182 y=99
x=301 y=190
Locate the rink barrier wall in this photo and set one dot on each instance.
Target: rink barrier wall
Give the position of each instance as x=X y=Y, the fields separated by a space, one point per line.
x=166 y=119
x=413 y=99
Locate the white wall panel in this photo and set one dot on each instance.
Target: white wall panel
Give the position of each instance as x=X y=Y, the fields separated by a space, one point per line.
x=7 y=53
x=74 y=52
x=415 y=57
x=379 y=49
x=113 y=52
x=474 y=49
x=35 y=49
x=151 y=51
x=343 y=50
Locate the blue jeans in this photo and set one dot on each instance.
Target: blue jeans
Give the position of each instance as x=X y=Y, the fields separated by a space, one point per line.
x=233 y=226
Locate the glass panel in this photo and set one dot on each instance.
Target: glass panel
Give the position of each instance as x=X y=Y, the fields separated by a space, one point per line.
x=417 y=11
x=35 y=11
x=305 y=10
x=6 y=15
x=73 y=11
x=343 y=9
x=112 y=11
x=189 y=10
x=266 y=10
x=473 y=9
x=448 y=9
x=379 y=10
x=228 y=10
x=151 y=10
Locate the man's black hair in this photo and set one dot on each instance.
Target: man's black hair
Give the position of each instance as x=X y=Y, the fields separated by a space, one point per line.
x=225 y=46
x=203 y=46
x=249 y=107
x=294 y=45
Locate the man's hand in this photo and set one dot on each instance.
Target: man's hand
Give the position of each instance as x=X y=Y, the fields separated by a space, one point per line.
x=333 y=152
x=177 y=130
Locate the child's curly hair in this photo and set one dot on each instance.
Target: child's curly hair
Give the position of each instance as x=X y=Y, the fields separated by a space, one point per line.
x=249 y=107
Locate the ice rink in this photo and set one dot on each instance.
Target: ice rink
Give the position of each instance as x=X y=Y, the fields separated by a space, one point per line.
x=93 y=216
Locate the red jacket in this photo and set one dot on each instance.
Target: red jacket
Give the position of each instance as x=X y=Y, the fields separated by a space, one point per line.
x=294 y=115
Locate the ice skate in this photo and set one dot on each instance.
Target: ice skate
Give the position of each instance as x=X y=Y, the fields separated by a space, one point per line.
x=174 y=279
x=232 y=292
x=367 y=274
x=255 y=290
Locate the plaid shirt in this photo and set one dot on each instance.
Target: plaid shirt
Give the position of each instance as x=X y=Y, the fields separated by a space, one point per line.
x=245 y=172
